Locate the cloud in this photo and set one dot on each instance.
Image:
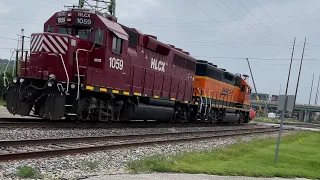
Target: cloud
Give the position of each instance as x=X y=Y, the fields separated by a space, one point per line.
x=141 y=9
x=4 y=9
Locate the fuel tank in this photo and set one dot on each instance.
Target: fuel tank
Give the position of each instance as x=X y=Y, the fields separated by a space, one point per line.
x=230 y=117
x=152 y=112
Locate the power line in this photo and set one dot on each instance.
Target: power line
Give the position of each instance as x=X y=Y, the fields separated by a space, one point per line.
x=216 y=20
x=53 y=2
x=19 y=19
x=240 y=18
x=257 y=19
x=272 y=18
x=233 y=18
x=207 y=22
x=234 y=43
x=8 y=38
x=255 y=58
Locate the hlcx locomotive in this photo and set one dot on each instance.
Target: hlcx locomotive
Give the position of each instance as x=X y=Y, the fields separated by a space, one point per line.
x=85 y=65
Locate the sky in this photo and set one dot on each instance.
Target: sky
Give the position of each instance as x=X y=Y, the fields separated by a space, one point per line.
x=223 y=32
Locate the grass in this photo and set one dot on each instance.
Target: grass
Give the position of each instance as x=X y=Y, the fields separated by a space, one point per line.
x=2 y=102
x=91 y=165
x=26 y=172
x=299 y=156
x=273 y=120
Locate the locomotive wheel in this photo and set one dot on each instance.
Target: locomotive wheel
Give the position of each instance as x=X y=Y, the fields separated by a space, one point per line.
x=12 y=98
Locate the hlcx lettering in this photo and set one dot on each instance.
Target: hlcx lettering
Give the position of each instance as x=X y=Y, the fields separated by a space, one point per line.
x=157 y=65
x=227 y=90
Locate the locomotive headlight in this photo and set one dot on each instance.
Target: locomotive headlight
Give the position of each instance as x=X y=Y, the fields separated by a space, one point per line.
x=52 y=76
x=69 y=14
x=21 y=80
x=15 y=80
x=50 y=83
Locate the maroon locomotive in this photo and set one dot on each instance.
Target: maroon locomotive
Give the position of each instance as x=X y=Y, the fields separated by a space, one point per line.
x=87 y=66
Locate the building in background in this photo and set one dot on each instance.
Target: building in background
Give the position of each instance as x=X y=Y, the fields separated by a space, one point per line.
x=262 y=96
x=274 y=97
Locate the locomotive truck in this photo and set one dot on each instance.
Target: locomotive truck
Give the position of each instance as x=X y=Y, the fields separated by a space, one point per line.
x=87 y=66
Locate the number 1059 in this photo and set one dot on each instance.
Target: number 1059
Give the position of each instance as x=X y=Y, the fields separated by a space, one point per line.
x=84 y=21
x=116 y=63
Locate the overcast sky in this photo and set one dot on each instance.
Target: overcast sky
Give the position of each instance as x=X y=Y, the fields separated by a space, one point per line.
x=214 y=30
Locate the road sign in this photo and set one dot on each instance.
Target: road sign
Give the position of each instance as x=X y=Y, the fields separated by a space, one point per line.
x=290 y=102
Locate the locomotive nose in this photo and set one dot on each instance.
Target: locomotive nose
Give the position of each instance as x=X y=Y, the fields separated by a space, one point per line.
x=252 y=114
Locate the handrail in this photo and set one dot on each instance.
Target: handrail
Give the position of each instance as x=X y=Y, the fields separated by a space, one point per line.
x=78 y=73
x=64 y=66
x=205 y=95
x=5 y=72
x=200 y=107
x=210 y=101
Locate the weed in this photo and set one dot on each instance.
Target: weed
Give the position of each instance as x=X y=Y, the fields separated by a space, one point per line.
x=26 y=172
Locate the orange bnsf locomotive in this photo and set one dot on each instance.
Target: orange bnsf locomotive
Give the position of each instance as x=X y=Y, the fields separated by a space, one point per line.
x=86 y=66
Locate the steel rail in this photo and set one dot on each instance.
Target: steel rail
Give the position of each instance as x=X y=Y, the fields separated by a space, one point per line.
x=25 y=123
x=26 y=142
x=114 y=145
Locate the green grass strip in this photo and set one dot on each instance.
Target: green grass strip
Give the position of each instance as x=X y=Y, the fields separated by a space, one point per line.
x=299 y=156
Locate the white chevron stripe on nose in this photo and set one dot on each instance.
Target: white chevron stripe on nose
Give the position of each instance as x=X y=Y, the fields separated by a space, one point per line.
x=36 y=42
x=56 y=44
x=64 y=45
x=38 y=45
x=50 y=45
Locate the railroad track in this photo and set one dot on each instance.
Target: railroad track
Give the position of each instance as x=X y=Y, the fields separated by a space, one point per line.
x=36 y=148
x=39 y=123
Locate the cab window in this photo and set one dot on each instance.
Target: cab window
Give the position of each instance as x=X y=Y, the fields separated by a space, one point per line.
x=64 y=30
x=242 y=88
x=116 y=45
x=50 y=29
x=99 y=36
x=83 y=33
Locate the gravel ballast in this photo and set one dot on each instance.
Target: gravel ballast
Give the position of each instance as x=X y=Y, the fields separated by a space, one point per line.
x=114 y=161
x=35 y=133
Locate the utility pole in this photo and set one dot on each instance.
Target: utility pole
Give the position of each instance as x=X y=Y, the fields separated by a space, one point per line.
x=316 y=99
x=254 y=84
x=285 y=106
x=294 y=43
x=295 y=95
x=112 y=7
x=280 y=90
x=81 y=4
x=310 y=97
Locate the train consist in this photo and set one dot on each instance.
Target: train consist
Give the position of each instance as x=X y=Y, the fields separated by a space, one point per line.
x=87 y=66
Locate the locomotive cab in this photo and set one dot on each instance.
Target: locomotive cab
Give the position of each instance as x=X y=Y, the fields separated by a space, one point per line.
x=73 y=44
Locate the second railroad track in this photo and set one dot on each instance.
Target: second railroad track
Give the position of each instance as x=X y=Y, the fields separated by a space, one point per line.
x=48 y=147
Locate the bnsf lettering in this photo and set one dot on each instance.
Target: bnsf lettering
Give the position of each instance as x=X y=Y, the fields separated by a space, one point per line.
x=116 y=63
x=226 y=90
x=81 y=14
x=158 y=65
